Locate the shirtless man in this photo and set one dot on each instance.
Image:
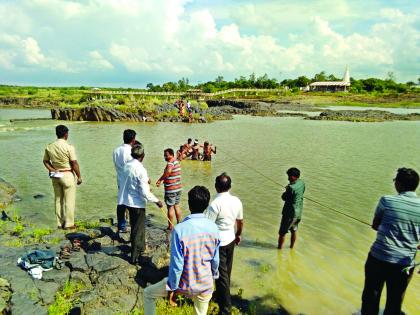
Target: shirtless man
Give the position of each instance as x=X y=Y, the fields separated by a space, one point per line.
x=207 y=151
x=181 y=153
x=195 y=154
x=187 y=147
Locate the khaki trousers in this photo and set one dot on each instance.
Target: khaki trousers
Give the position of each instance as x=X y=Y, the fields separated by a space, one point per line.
x=158 y=290
x=65 y=199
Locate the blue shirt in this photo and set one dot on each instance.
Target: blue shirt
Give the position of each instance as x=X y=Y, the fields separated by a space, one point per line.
x=399 y=229
x=194 y=256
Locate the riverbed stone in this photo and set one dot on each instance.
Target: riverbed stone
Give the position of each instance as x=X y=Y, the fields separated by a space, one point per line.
x=110 y=283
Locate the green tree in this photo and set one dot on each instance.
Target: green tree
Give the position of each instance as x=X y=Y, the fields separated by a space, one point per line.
x=320 y=77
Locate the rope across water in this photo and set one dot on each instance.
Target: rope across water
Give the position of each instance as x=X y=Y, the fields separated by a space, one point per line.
x=307 y=198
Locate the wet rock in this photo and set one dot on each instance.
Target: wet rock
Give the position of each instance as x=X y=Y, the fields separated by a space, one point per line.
x=47 y=290
x=7 y=193
x=82 y=278
x=39 y=196
x=77 y=262
x=363 y=116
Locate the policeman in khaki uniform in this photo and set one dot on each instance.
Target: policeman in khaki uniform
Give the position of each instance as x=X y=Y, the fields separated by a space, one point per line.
x=60 y=160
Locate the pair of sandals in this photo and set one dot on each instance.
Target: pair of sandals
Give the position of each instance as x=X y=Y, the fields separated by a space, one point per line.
x=66 y=250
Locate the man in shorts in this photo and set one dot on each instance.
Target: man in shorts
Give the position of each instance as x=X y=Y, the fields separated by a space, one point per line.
x=292 y=209
x=171 y=179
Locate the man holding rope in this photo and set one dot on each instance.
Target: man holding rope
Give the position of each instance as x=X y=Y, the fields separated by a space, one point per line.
x=391 y=258
x=292 y=209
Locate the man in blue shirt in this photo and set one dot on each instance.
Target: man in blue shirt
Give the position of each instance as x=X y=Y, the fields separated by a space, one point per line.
x=194 y=258
x=392 y=256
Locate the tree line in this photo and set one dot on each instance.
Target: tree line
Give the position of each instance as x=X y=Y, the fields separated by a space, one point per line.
x=264 y=82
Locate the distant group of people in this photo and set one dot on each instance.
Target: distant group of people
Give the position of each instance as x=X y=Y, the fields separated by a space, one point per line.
x=202 y=245
x=184 y=109
x=195 y=151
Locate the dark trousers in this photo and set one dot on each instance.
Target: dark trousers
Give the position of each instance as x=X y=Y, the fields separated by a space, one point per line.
x=121 y=217
x=222 y=293
x=377 y=273
x=138 y=233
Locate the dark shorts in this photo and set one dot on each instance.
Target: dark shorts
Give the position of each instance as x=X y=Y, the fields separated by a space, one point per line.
x=288 y=224
x=172 y=199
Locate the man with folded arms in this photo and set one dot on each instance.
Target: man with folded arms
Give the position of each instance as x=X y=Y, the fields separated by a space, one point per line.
x=227 y=212
x=194 y=258
x=60 y=160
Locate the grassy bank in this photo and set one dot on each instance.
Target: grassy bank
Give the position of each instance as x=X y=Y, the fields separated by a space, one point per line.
x=15 y=96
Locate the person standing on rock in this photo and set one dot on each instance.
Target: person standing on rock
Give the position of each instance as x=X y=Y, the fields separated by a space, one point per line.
x=194 y=259
x=134 y=193
x=391 y=258
x=171 y=179
x=121 y=155
x=227 y=212
x=292 y=209
x=61 y=161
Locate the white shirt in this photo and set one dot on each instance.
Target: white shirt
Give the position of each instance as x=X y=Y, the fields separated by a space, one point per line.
x=135 y=190
x=224 y=210
x=121 y=155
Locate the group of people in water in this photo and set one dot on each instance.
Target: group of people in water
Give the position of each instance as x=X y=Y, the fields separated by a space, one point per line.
x=202 y=244
x=195 y=151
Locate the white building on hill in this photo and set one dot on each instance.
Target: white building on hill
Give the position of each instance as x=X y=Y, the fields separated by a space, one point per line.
x=332 y=86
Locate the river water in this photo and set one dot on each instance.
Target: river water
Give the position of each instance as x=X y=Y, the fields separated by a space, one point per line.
x=346 y=166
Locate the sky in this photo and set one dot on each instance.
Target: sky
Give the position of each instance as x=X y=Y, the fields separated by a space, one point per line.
x=129 y=43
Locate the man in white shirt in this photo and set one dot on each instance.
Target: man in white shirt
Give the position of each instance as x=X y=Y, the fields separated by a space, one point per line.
x=121 y=155
x=134 y=193
x=226 y=211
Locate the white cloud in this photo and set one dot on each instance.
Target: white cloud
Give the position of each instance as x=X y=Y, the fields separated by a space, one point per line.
x=167 y=39
x=32 y=52
x=100 y=62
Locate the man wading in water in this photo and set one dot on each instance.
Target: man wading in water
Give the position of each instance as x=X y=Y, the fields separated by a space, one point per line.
x=207 y=151
x=292 y=209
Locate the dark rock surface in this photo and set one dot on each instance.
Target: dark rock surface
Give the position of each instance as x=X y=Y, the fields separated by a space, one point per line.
x=110 y=284
x=164 y=112
x=254 y=108
x=363 y=116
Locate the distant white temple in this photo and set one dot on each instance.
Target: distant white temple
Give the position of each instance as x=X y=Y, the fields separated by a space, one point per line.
x=332 y=86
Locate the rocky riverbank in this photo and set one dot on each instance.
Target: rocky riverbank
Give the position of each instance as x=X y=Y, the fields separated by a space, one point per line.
x=163 y=112
x=98 y=279
x=363 y=116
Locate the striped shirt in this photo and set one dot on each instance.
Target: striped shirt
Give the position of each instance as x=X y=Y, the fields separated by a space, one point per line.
x=399 y=229
x=173 y=181
x=194 y=256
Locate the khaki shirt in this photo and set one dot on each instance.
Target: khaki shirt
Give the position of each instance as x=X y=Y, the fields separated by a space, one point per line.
x=60 y=153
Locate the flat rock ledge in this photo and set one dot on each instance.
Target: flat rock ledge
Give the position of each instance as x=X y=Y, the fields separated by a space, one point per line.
x=109 y=283
x=363 y=116
x=110 y=114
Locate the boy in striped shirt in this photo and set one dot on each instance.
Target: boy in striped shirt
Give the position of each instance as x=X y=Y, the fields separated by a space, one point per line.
x=171 y=179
